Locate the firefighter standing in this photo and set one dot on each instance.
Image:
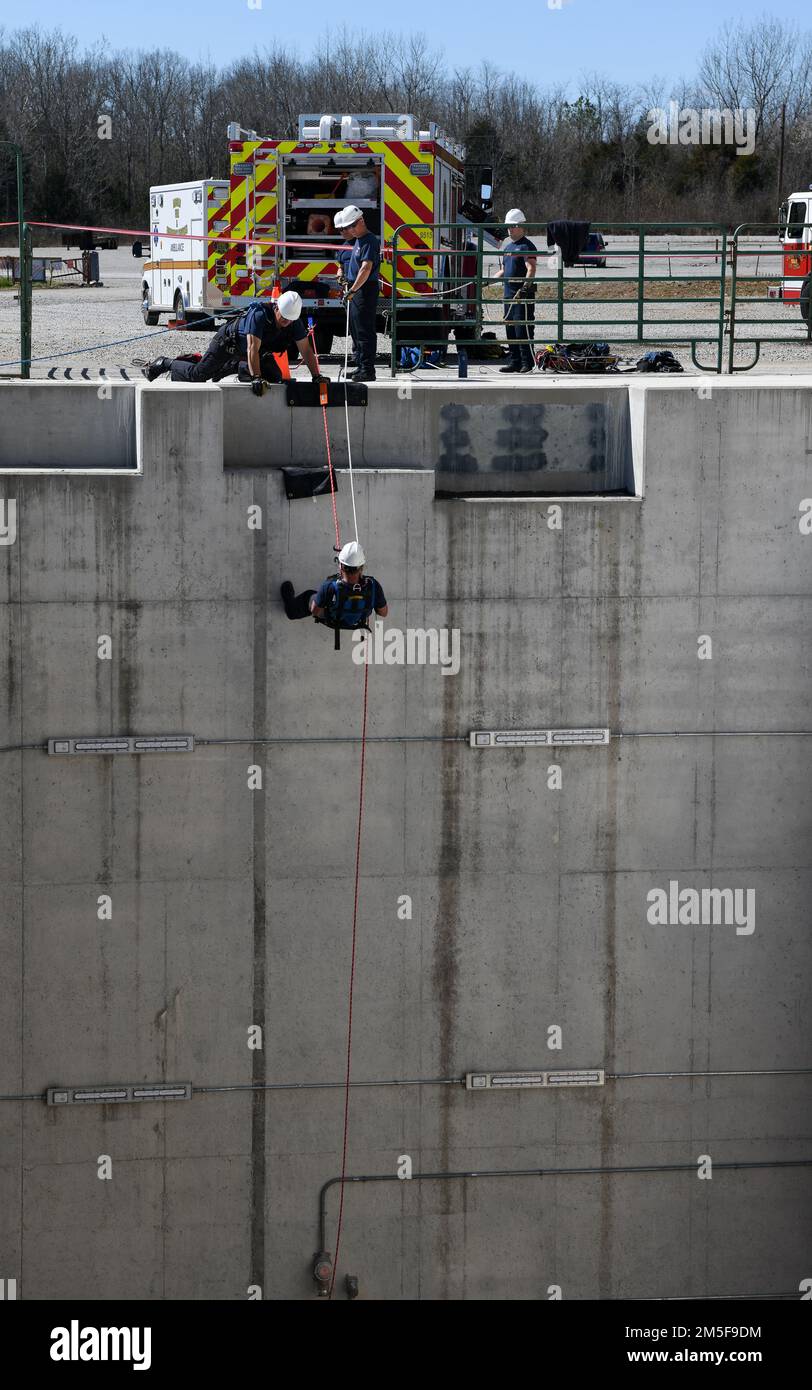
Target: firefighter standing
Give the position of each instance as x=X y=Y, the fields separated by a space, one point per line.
x=266 y=327
x=519 y=272
x=361 y=264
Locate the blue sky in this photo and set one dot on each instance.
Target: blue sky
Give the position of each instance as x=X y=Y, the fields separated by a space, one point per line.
x=631 y=40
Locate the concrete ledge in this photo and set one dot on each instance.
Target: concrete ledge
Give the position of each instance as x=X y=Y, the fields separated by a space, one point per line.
x=75 y=427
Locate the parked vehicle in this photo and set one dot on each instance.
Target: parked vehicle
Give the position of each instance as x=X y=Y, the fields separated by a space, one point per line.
x=185 y=273
x=594 y=253
x=796 y=238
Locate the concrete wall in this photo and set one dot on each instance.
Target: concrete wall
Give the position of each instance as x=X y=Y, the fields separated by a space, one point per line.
x=234 y=906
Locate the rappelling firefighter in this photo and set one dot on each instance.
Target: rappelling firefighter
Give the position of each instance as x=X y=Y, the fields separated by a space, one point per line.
x=267 y=327
x=344 y=601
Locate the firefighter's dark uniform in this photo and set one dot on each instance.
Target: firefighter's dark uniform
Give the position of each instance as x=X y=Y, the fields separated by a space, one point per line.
x=519 y=311
x=229 y=346
x=364 y=303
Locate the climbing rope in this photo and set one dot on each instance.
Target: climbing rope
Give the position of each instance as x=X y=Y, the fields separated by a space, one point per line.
x=347 y=417
x=323 y=396
x=352 y=978
x=323 y=389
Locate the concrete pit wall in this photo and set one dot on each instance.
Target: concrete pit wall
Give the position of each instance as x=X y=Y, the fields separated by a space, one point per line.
x=232 y=906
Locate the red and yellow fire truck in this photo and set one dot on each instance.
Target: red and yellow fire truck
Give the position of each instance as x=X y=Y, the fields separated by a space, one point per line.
x=284 y=195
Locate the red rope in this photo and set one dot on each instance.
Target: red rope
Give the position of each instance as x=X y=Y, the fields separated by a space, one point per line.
x=327 y=442
x=352 y=976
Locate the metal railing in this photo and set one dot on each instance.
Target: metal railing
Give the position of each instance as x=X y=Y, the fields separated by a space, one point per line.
x=770 y=265
x=662 y=285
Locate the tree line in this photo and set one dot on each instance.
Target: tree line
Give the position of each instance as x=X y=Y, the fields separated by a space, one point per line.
x=98 y=128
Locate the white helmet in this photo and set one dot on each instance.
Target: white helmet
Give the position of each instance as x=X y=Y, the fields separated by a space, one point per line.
x=346 y=216
x=289 y=305
x=351 y=555
x=515 y=218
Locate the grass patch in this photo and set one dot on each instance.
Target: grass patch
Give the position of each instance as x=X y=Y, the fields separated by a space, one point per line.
x=6 y=284
x=598 y=290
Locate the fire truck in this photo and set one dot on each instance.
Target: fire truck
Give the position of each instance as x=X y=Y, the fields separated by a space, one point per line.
x=796 y=238
x=284 y=195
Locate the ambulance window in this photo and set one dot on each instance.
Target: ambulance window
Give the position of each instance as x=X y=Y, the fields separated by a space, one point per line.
x=795 y=221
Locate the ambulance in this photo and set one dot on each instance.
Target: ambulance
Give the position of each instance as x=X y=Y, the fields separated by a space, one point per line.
x=185 y=273
x=796 y=238
x=284 y=195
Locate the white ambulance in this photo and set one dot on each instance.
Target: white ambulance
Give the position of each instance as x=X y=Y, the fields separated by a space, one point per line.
x=185 y=270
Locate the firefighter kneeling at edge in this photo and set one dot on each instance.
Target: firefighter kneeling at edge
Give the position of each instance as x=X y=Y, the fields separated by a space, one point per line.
x=266 y=326
x=347 y=600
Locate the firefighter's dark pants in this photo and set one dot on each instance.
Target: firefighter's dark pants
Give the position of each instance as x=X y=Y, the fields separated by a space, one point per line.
x=220 y=359
x=298 y=605
x=519 y=318
x=362 y=325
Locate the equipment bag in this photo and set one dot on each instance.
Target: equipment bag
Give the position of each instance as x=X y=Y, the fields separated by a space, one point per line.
x=663 y=361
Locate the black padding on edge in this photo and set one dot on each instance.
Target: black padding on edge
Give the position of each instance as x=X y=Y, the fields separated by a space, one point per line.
x=307 y=482
x=307 y=393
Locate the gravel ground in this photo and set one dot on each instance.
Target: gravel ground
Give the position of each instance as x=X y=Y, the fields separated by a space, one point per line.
x=78 y=330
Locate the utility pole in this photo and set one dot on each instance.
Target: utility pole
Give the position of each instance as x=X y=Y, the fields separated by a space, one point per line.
x=24 y=240
x=781 y=150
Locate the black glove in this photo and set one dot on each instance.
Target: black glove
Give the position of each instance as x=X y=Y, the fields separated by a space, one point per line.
x=317 y=380
x=528 y=290
x=257 y=385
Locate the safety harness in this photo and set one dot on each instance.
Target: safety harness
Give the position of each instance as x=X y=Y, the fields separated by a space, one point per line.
x=349 y=606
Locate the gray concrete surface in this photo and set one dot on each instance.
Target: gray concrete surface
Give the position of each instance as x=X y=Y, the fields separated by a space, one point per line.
x=233 y=907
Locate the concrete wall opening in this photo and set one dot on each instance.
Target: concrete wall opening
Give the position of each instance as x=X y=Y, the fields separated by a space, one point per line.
x=569 y=442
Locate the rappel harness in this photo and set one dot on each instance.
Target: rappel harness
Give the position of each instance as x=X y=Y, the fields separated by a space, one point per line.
x=350 y=606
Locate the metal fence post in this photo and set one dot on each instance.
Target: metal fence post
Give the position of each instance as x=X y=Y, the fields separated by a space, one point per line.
x=26 y=277
x=394 y=334
x=641 y=281
x=720 y=349
x=25 y=266
x=734 y=260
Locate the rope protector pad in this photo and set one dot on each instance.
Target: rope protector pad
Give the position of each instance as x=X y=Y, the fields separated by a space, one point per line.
x=307 y=393
x=307 y=482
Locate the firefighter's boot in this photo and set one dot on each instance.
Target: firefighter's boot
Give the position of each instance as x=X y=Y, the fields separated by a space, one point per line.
x=157 y=367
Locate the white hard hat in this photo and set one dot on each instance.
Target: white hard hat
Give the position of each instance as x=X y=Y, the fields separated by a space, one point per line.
x=346 y=216
x=515 y=218
x=289 y=305
x=351 y=555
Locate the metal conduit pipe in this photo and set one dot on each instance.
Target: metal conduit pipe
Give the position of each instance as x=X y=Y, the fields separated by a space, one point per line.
x=453 y=1081
x=453 y=738
x=601 y=1171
